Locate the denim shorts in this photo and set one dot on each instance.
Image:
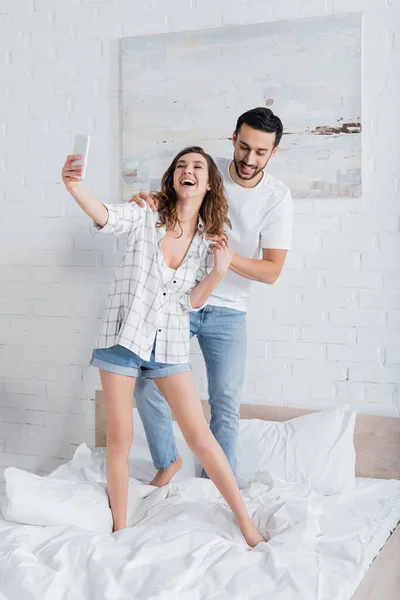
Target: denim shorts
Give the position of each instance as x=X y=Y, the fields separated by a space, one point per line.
x=118 y=359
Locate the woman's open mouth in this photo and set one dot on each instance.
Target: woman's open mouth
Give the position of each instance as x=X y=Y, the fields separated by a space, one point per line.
x=187 y=182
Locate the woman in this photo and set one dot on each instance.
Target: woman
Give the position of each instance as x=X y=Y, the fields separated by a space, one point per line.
x=166 y=272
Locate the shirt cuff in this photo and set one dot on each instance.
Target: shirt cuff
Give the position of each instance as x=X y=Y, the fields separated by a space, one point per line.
x=184 y=301
x=111 y=223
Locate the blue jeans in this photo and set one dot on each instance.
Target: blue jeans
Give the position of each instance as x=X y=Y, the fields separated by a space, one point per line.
x=222 y=337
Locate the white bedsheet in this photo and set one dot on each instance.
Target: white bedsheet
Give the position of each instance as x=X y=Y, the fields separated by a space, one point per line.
x=182 y=543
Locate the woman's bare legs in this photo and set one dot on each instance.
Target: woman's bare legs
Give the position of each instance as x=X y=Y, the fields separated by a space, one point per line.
x=118 y=395
x=182 y=396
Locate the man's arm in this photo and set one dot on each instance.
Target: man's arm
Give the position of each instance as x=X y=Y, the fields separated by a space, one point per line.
x=266 y=269
x=275 y=233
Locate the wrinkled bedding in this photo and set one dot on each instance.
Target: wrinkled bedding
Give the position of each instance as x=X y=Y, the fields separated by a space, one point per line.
x=182 y=542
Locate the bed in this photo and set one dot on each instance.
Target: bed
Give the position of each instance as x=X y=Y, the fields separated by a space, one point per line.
x=377 y=445
x=182 y=543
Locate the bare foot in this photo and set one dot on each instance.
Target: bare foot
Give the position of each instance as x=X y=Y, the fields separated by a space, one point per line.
x=164 y=477
x=252 y=535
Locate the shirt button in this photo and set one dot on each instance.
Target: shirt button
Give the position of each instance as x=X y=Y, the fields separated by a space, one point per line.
x=164 y=293
x=159 y=330
x=174 y=281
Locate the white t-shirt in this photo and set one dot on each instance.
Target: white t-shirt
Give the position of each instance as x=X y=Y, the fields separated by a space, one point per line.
x=261 y=217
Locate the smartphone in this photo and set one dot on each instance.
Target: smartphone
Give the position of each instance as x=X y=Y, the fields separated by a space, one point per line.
x=81 y=146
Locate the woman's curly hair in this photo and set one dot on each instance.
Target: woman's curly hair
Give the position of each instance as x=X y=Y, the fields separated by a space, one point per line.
x=214 y=208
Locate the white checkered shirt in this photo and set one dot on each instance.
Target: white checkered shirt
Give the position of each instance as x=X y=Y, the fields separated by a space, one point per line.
x=148 y=300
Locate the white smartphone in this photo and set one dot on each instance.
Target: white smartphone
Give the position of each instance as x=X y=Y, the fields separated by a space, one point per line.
x=81 y=146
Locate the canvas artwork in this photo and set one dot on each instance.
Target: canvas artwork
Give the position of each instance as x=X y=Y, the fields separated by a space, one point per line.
x=189 y=88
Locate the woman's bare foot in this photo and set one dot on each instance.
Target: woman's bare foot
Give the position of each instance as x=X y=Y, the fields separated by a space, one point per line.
x=252 y=535
x=164 y=477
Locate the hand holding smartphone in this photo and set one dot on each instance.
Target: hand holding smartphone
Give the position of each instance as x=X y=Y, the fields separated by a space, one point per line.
x=81 y=147
x=74 y=167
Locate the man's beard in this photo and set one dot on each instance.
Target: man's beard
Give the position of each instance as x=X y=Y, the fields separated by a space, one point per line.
x=250 y=176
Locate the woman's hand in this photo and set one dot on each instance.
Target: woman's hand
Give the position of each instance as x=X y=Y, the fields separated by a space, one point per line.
x=70 y=173
x=87 y=201
x=143 y=197
x=223 y=254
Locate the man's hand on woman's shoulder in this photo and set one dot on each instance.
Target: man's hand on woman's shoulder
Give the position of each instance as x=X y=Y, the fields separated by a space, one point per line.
x=142 y=197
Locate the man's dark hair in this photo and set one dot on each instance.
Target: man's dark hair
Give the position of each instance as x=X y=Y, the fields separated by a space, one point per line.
x=262 y=119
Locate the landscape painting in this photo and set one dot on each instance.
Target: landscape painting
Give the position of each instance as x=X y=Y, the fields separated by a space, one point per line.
x=188 y=88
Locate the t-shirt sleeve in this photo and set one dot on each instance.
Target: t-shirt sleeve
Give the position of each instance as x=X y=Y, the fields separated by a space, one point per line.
x=276 y=232
x=122 y=218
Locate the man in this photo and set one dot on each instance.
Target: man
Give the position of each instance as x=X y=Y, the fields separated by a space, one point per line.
x=261 y=212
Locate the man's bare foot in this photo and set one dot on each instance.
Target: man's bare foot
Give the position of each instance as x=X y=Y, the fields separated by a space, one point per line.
x=164 y=477
x=252 y=535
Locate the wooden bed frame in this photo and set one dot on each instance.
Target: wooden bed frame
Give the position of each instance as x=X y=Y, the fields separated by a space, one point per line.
x=377 y=444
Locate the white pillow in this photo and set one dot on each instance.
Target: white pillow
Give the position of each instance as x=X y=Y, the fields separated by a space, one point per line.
x=315 y=449
x=49 y=501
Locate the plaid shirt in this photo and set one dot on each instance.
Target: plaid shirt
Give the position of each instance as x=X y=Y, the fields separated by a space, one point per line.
x=148 y=300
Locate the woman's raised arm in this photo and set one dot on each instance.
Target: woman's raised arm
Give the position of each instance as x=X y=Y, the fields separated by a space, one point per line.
x=86 y=200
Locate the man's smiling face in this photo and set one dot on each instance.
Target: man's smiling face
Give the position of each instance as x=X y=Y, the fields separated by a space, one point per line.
x=253 y=149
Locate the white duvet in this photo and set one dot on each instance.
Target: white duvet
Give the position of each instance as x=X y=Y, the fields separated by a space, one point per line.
x=182 y=542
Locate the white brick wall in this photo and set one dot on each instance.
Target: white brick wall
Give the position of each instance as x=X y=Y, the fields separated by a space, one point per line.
x=327 y=332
